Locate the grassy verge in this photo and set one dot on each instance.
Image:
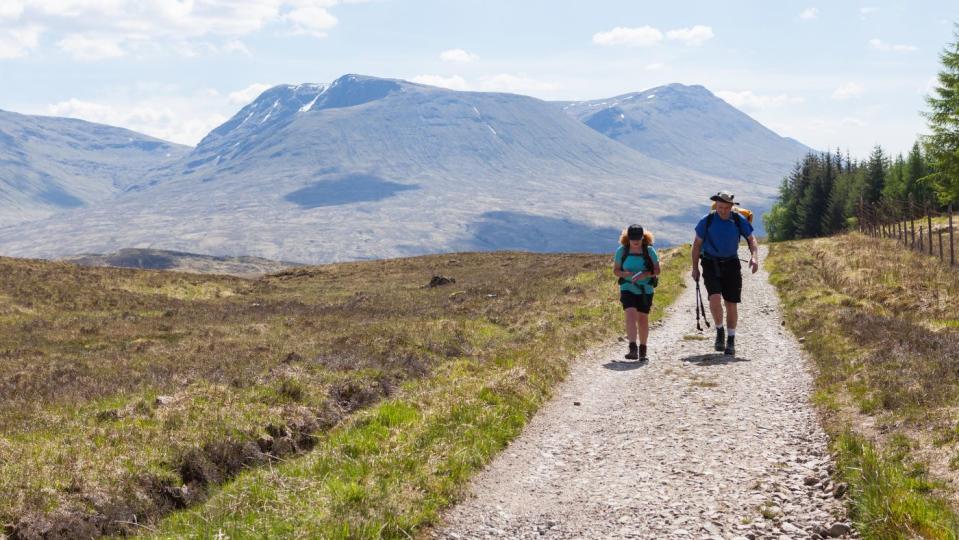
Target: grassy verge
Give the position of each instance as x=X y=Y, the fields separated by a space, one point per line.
x=341 y=401
x=880 y=323
x=389 y=470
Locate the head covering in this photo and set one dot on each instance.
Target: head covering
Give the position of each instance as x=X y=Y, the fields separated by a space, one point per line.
x=724 y=196
x=635 y=232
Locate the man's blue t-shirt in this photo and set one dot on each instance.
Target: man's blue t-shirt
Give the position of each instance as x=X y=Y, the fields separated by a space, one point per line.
x=723 y=241
x=635 y=263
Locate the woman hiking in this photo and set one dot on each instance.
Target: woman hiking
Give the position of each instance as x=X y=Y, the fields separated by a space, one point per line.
x=636 y=264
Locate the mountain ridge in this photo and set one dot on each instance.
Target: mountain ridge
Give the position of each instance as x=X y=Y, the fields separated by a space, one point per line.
x=48 y=164
x=370 y=167
x=690 y=126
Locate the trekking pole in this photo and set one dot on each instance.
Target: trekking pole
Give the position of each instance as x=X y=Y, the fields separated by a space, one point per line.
x=702 y=308
x=699 y=308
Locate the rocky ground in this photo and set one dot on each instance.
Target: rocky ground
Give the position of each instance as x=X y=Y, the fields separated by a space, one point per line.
x=692 y=444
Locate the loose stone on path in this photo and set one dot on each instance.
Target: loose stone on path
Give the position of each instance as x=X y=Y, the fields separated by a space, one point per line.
x=692 y=444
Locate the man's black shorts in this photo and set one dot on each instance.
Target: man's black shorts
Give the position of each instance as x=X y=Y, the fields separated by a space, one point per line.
x=725 y=277
x=642 y=302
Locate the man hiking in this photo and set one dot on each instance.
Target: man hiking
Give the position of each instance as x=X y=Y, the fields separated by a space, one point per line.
x=717 y=246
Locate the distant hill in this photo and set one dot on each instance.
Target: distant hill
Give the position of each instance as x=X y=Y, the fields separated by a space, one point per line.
x=371 y=168
x=690 y=127
x=156 y=259
x=49 y=164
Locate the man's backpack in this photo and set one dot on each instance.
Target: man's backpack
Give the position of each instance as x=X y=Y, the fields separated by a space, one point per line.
x=744 y=212
x=737 y=218
x=654 y=280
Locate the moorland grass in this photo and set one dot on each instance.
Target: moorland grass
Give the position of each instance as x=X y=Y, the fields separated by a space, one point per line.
x=347 y=400
x=875 y=318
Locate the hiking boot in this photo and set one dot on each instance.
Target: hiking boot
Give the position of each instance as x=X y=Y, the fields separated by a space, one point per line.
x=730 y=346
x=642 y=354
x=720 y=339
x=633 y=353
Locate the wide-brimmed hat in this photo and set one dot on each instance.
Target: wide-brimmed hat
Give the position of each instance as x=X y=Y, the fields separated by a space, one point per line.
x=724 y=196
x=635 y=232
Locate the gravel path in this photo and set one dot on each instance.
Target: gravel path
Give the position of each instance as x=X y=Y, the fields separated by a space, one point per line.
x=691 y=445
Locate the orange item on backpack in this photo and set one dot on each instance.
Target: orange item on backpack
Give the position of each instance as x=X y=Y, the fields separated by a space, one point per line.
x=748 y=214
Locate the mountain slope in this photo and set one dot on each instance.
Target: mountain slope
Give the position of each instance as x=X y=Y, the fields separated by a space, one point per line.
x=373 y=168
x=691 y=127
x=49 y=164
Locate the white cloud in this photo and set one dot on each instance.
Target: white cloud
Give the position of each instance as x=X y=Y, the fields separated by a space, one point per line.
x=879 y=45
x=458 y=55
x=193 y=49
x=453 y=83
x=236 y=46
x=868 y=10
x=110 y=26
x=697 y=35
x=83 y=47
x=518 y=84
x=313 y=20
x=847 y=90
x=248 y=94
x=74 y=8
x=647 y=36
x=809 y=13
x=184 y=121
x=749 y=101
x=655 y=66
x=18 y=42
x=644 y=36
x=11 y=9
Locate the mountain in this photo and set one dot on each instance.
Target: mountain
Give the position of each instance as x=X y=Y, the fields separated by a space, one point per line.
x=369 y=168
x=690 y=127
x=48 y=164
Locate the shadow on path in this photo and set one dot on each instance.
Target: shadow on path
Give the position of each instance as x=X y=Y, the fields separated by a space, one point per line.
x=713 y=359
x=625 y=365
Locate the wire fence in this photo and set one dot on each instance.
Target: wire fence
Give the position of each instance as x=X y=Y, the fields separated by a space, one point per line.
x=915 y=226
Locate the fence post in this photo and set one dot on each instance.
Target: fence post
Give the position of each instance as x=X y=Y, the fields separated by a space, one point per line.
x=920 y=240
x=929 y=222
x=940 y=244
x=862 y=217
x=952 y=250
x=912 y=234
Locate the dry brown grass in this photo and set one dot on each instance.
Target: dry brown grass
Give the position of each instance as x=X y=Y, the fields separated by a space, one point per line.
x=126 y=392
x=881 y=323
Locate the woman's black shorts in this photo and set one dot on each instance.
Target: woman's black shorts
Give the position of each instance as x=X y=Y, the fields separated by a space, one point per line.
x=642 y=302
x=723 y=277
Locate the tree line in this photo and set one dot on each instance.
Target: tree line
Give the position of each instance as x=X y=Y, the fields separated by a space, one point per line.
x=823 y=193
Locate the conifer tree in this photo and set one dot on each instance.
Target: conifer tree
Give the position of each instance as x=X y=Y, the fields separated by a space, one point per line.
x=827 y=186
x=801 y=184
x=917 y=168
x=781 y=218
x=834 y=219
x=942 y=145
x=875 y=176
x=894 y=188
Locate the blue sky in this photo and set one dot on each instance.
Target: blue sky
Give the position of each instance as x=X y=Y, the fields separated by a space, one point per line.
x=846 y=74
